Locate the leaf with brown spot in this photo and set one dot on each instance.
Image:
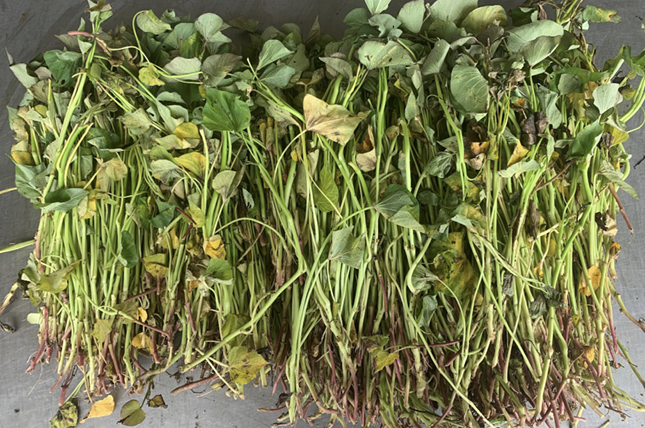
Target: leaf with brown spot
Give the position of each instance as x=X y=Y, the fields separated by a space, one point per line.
x=244 y=365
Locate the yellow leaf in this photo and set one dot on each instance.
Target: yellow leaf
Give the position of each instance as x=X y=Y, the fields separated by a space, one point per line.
x=590 y=353
x=595 y=275
x=334 y=122
x=193 y=162
x=187 y=130
x=214 y=247
x=104 y=407
x=619 y=135
x=142 y=315
x=539 y=273
x=22 y=158
x=383 y=358
x=518 y=154
x=143 y=341
x=294 y=155
x=244 y=365
x=552 y=247
x=155 y=265
x=148 y=76
x=614 y=250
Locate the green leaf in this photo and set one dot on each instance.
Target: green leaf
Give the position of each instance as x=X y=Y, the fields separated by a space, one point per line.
x=338 y=66
x=606 y=97
x=164 y=170
x=225 y=183
x=356 y=18
x=596 y=14
x=586 y=140
x=165 y=216
x=216 y=67
x=481 y=18
x=180 y=32
x=56 y=282
x=149 y=23
x=377 y=6
x=129 y=254
x=378 y=55
x=63 y=200
x=209 y=24
x=535 y=51
x=194 y=210
x=184 y=66
x=440 y=165
x=334 y=122
x=520 y=35
x=435 y=59
x=272 y=51
x=137 y=122
x=452 y=10
x=395 y=197
x=194 y=162
x=63 y=65
x=469 y=89
x=225 y=112
x=346 y=249
x=220 y=270
x=244 y=365
x=35 y=318
x=277 y=76
x=519 y=168
x=524 y=15
x=421 y=279
x=127 y=310
x=429 y=308
x=615 y=177
x=246 y=24
x=131 y=414
x=66 y=416
x=412 y=15
x=325 y=191
x=548 y=100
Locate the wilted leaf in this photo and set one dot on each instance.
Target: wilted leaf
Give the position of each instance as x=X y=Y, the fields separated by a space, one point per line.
x=149 y=23
x=214 y=247
x=157 y=401
x=440 y=165
x=137 y=122
x=101 y=408
x=149 y=76
x=184 y=68
x=428 y=310
x=143 y=341
x=537 y=50
x=244 y=365
x=131 y=414
x=596 y=14
x=66 y=416
x=216 y=67
x=384 y=358
x=586 y=140
x=615 y=177
x=334 y=122
x=518 y=36
x=56 y=282
x=345 y=248
x=595 y=275
x=519 y=152
x=63 y=200
x=338 y=66
x=220 y=270
x=155 y=265
x=225 y=183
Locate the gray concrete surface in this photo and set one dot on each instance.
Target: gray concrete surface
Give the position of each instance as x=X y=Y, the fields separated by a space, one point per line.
x=27 y=27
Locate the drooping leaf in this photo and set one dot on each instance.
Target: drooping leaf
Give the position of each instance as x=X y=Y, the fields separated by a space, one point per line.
x=164 y=170
x=56 y=282
x=131 y=414
x=101 y=330
x=481 y=18
x=586 y=140
x=272 y=51
x=383 y=359
x=519 y=152
x=101 y=408
x=143 y=341
x=149 y=23
x=129 y=254
x=595 y=275
x=244 y=364
x=115 y=169
x=325 y=191
x=63 y=200
x=165 y=215
x=386 y=24
x=428 y=310
x=469 y=89
x=216 y=67
x=440 y=165
x=225 y=183
x=331 y=121
x=155 y=265
x=517 y=169
x=346 y=248
x=395 y=198
x=436 y=58
x=375 y=54
x=615 y=177
x=412 y=15
x=408 y=216
x=225 y=111
x=28 y=178
x=22 y=73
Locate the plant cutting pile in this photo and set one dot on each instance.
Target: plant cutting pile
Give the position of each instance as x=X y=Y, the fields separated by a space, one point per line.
x=413 y=225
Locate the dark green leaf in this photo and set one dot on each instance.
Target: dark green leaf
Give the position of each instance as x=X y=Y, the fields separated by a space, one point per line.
x=63 y=65
x=586 y=140
x=440 y=165
x=428 y=310
x=325 y=191
x=63 y=200
x=26 y=180
x=272 y=51
x=131 y=414
x=129 y=253
x=220 y=270
x=165 y=216
x=225 y=111
x=216 y=67
x=277 y=76
x=346 y=249
x=395 y=198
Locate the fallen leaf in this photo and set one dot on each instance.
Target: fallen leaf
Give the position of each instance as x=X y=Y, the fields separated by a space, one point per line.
x=157 y=401
x=101 y=408
x=131 y=414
